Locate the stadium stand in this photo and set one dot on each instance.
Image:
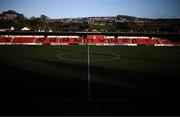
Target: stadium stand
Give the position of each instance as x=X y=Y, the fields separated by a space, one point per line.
x=90 y=39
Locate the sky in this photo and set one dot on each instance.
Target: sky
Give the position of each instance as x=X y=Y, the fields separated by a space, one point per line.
x=83 y=8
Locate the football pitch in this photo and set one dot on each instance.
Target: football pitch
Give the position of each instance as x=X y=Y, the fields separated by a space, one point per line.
x=142 y=76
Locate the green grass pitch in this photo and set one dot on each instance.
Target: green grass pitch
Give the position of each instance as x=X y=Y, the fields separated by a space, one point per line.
x=143 y=74
x=113 y=66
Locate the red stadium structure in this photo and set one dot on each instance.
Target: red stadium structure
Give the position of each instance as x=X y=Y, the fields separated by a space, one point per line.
x=88 y=40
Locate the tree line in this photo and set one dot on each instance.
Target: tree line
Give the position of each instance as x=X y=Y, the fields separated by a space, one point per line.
x=43 y=22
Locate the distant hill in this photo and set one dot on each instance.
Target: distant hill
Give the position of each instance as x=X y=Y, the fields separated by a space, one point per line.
x=126 y=17
x=11 y=15
x=119 y=23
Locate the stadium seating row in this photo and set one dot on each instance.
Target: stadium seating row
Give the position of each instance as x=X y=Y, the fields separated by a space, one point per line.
x=23 y=40
x=89 y=40
x=5 y=40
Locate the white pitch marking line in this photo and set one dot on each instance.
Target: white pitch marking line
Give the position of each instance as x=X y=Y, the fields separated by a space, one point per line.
x=89 y=77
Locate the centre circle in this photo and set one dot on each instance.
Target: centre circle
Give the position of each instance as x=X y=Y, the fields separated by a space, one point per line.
x=83 y=56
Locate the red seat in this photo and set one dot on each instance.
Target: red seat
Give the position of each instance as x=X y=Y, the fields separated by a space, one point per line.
x=99 y=37
x=141 y=41
x=120 y=41
x=23 y=40
x=165 y=41
x=90 y=37
x=153 y=41
x=5 y=39
x=95 y=37
x=127 y=41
